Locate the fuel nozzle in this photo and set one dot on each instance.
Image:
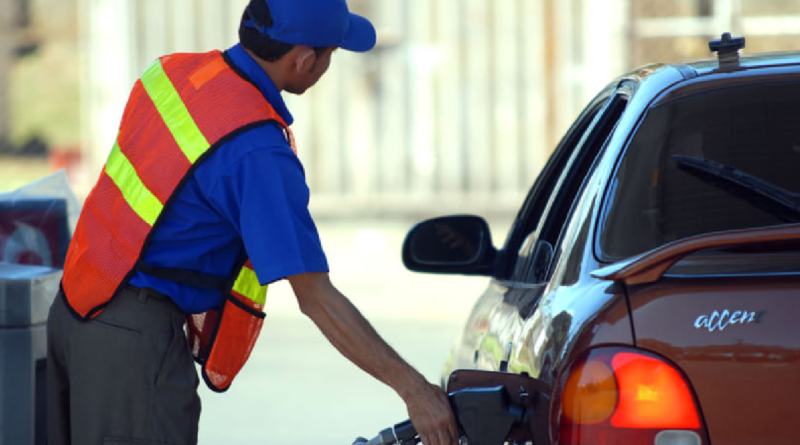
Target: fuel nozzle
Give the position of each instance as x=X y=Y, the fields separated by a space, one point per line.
x=402 y=433
x=486 y=415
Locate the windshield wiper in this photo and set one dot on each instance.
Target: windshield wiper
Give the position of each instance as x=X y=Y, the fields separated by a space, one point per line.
x=768 y=197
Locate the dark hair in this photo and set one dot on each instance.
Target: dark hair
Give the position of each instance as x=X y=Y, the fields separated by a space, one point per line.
x=261 y=44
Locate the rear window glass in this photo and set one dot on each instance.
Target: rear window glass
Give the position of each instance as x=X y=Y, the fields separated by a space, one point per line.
x=721 y=160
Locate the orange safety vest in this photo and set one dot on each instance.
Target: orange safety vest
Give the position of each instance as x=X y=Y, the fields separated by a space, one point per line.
x=182 y=109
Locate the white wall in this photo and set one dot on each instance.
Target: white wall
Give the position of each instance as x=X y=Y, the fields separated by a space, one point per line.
x=449 y=112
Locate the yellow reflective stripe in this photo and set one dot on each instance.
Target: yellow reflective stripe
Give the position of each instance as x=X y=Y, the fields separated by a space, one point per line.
x=141 y=200
x=247 y=284
x=174 y=113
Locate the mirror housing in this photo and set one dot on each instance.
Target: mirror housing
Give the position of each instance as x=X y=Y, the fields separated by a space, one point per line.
x=459 y=244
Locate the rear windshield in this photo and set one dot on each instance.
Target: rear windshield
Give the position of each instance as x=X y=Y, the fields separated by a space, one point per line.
x=722 y=160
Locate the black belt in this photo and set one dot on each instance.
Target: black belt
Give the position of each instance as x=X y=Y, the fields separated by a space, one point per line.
x=143 y=293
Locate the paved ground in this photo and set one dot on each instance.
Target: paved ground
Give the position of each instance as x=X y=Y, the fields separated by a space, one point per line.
x=297 y=389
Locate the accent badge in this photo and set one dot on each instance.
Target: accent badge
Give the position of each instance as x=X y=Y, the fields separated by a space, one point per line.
x=719 y=320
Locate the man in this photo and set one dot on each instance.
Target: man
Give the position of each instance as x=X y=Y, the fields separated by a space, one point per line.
x=203 y=202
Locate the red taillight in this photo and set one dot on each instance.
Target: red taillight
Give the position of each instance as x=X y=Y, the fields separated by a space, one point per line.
x=652 y=395
x=590 y=396
x=616 y=396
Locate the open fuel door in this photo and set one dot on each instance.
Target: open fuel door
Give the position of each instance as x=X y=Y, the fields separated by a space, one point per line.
x=496 y=407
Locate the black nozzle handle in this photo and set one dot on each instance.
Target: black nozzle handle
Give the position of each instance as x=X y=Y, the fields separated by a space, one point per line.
x=402 y=433
x=405 y=432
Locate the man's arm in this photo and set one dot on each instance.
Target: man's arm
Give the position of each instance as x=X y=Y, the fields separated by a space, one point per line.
x=348 y=331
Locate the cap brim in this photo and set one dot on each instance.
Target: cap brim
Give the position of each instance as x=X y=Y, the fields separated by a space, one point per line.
x=360 y=36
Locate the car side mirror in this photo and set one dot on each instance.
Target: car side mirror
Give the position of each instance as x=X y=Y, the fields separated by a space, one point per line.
x=450 y=244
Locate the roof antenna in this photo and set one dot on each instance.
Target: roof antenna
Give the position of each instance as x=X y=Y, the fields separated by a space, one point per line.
x=727 y=50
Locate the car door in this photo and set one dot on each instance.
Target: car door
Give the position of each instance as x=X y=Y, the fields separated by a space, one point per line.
x=499 y=318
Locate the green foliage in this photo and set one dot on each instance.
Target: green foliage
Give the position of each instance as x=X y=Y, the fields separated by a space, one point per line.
x=45 y=96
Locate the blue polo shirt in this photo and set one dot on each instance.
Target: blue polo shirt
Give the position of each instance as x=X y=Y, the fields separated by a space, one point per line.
x=249 y=194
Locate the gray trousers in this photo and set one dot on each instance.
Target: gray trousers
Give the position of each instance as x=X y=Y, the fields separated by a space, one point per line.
x=124 y=377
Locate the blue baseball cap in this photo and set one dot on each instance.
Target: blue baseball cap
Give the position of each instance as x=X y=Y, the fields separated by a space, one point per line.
x=315 y=23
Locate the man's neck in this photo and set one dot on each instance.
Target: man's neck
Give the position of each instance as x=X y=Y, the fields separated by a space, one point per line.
x=272 y=69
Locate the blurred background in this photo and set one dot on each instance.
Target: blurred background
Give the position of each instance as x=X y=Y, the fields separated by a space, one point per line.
x=455 y=111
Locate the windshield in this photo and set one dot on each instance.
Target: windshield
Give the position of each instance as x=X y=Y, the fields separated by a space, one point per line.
x=722 y=160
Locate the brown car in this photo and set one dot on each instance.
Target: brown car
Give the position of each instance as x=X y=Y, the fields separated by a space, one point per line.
x=649 y=289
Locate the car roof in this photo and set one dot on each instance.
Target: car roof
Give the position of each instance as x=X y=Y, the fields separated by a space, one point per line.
x=709 y=67
x=748 y=62
x=671 y=81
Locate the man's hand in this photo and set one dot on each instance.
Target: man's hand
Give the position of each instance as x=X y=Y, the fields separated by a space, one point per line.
x=429 y=411
x=354 y=337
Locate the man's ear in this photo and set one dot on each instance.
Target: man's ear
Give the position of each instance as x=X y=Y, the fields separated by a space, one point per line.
x=305 y=60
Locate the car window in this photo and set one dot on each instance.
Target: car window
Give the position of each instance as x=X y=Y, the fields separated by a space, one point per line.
x=722 y=160
x=536 y=254
x=539 y=194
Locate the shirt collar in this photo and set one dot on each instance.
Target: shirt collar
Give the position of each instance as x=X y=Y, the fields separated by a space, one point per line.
x=253 y=70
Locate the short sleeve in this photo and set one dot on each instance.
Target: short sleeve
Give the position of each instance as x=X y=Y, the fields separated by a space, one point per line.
x=264 y=195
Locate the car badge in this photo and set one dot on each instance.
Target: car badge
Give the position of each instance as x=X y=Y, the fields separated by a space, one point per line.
x=719 y=320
